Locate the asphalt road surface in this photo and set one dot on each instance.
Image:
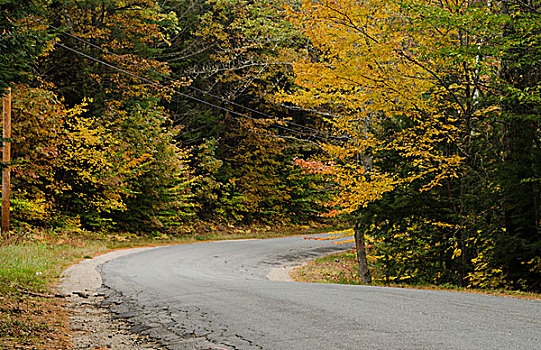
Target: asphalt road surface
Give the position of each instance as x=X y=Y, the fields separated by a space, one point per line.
x=217 y=296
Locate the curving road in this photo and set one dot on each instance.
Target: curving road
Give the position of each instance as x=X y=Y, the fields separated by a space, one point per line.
x=217 y=296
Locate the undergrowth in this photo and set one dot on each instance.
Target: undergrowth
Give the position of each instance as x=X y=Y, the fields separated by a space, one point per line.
x=342 y=268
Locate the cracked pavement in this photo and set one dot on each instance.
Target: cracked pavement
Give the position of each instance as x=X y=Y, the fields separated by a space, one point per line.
x=216 y=295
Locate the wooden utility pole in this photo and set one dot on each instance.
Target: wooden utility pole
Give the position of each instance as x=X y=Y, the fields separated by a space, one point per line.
x=6 y=159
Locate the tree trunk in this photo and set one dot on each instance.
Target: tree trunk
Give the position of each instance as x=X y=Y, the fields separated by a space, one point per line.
x=360 y=248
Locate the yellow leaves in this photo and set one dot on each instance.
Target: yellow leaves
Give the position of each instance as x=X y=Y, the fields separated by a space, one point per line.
x=89 y=154
x=456 y=253
x=391 y=96
x=356 y=190
x=534 y=264
x=495 y=109
x=357 y=48
x=337 y=236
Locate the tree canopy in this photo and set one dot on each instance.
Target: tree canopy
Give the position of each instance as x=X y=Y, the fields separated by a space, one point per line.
x=416 y=120
x=440 y=105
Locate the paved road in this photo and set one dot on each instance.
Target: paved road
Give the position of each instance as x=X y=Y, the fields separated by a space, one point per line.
x=216 y=295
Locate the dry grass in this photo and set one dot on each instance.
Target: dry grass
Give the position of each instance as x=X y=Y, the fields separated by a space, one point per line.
x=30 y=322
x=337 y=268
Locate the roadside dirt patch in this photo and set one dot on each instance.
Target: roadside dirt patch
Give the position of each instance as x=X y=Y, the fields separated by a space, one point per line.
x=281 y=274
x=33 y=322
x=92 y=325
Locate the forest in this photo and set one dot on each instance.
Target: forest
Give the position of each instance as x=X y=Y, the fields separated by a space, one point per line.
x=417 y=121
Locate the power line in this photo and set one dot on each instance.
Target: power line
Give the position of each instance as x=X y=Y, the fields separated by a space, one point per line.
x=194 y=88
x=171 y=89
x=176 y=91
x=170 y=79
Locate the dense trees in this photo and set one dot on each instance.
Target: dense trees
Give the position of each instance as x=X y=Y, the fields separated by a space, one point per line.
x=419 y=120
x=142 y=116
x=18 y=47
x=440 y=102
x=519 y=247
x=235 y=54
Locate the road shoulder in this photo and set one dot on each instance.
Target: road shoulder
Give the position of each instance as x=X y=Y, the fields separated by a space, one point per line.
x=93 y=325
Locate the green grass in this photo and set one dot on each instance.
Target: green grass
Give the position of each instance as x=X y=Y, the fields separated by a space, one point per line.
x=34 y=266
x=29 y=317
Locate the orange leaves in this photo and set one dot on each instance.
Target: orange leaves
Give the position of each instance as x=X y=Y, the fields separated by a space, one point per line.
x=314 y=166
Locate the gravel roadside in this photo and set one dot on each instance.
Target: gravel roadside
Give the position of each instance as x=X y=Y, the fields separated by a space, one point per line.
x=93 y=325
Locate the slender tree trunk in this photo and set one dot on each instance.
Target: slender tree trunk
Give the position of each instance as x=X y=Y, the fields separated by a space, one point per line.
x=360 y=248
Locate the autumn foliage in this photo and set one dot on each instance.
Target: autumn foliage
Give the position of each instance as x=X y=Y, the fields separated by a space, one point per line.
x=416 y=120
x=417 y=89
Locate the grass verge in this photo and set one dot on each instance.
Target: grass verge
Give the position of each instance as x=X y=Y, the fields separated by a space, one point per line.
x=342 y=269
x=31 y=317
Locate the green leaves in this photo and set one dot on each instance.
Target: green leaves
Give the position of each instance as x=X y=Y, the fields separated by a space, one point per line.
x=20 y=43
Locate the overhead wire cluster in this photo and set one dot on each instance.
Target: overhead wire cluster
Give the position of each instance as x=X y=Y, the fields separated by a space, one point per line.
x=309 y=131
